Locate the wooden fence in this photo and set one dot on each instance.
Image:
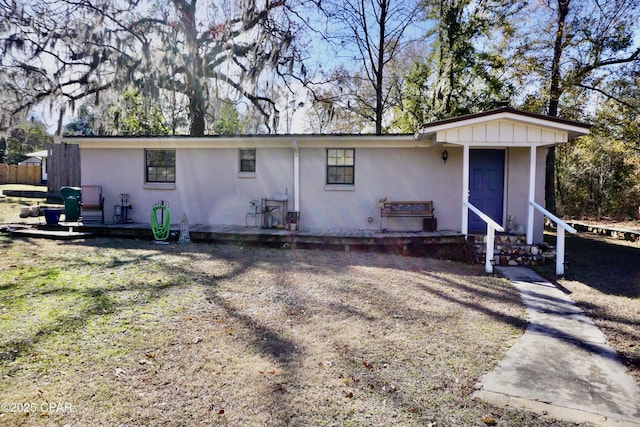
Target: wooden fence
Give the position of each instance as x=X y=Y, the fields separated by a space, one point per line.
x=20 y=174
x=63 y=166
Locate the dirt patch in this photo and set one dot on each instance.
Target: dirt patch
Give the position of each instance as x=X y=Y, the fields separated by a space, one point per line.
x=132 y=333
x=10 y=207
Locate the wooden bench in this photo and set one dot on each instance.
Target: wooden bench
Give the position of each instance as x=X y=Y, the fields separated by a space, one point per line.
x=414 y=209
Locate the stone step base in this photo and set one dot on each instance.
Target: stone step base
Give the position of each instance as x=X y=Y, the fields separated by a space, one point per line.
x=511 y=250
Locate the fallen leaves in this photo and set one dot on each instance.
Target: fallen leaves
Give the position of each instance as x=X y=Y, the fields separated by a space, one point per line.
x=490 y=421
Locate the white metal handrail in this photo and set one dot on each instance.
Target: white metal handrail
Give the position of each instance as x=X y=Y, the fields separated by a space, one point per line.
x=561 y=227
x=492 y=226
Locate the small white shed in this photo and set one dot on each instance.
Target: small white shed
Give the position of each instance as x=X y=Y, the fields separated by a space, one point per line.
x=39 y=158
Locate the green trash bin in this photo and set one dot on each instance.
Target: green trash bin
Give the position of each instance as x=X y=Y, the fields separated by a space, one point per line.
x=71 y=199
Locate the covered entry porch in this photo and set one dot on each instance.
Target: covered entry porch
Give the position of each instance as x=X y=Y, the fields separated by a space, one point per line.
x=501 y=155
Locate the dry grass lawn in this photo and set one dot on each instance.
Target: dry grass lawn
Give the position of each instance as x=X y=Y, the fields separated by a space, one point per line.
x=134 y=333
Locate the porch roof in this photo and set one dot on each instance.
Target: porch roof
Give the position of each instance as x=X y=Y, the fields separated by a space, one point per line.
x=503 y=126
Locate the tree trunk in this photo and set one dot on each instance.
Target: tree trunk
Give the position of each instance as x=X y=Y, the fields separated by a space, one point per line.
x=550 y=181
x=194 y=69
x=379 y=76
x=196 y=116
x=555 y=91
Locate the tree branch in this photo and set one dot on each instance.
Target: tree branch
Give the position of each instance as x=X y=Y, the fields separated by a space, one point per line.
x=610 y=96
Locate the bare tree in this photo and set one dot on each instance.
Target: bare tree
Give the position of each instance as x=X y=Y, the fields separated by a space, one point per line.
x=369 y=33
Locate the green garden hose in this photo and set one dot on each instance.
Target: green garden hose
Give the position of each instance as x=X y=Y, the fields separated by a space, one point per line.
x=160 y=231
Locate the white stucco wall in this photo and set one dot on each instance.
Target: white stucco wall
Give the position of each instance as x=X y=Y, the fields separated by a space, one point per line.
x=398 y=174
x=211 y=191
x=517 y=195
x=208 y=187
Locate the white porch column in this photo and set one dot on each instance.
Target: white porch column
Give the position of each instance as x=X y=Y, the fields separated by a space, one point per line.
x=560 y=251
x=464 y=227
x=296 y=176
x=491 y=239
x=532 y=193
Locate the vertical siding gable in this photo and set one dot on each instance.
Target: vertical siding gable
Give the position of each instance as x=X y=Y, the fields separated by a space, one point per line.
x=479 y=133
x=504 y=132
x=520 y=133
x=534 y=134
x=548 y=136
x=561 y=137
x=452 y=135
x=466 y=134
x=493 y=131
x=507 y=130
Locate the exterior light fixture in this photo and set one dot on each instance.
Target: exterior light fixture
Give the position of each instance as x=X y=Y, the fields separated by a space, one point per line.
x=445 y=155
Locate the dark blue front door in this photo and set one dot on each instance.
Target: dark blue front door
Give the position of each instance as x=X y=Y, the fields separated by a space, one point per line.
x=486 y=186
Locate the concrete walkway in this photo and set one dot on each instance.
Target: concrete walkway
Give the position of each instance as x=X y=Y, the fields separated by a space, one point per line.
x=562 y=366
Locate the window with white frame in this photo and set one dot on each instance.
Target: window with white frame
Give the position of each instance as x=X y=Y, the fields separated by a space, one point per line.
x=160 y=166
x=247 y=160
x=340 y=165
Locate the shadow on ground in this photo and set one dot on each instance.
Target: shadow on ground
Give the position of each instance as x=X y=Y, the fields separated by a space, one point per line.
x=601 y=263
x=603 y=278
